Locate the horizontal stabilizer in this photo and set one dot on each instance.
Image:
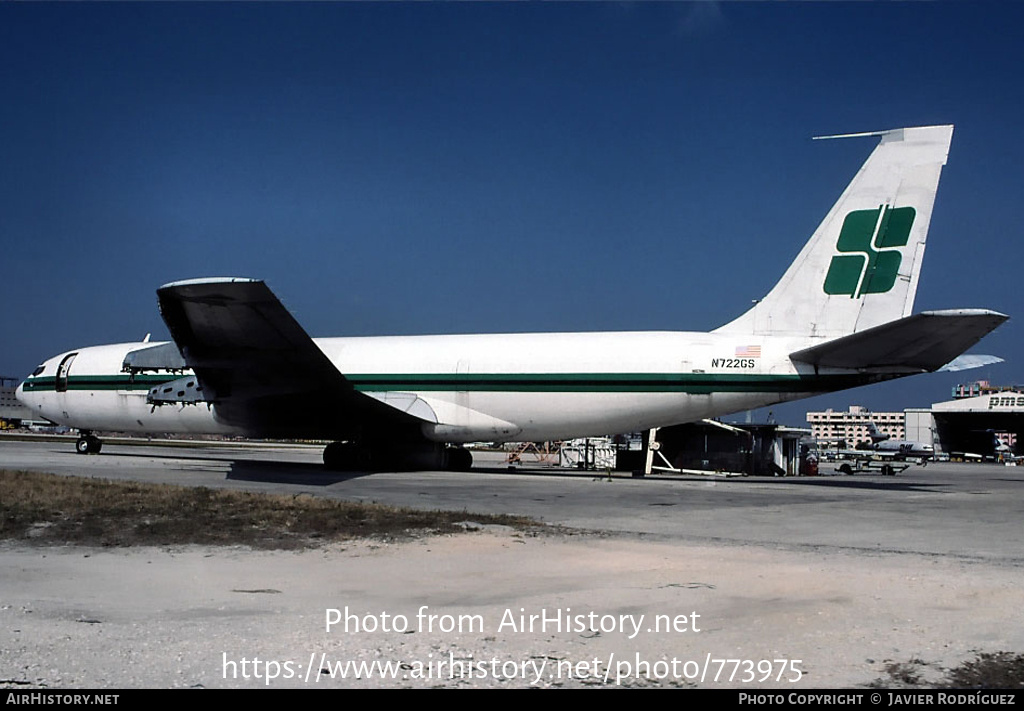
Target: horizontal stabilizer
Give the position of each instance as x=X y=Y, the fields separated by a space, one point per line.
x=923 y=342
x=967 y=362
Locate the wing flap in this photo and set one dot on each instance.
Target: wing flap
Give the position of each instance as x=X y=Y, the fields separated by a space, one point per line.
x=409 y=403
x=448 y=420
x=923 y=342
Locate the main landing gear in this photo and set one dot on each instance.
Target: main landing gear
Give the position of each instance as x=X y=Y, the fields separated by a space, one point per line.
x=351 y=456
x=88 y=444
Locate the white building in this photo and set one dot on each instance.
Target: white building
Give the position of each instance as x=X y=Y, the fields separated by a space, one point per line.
x=983 y=426
x=831 y=426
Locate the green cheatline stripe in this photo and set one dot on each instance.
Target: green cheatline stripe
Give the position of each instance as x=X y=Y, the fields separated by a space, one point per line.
x=610 y=382
x=99 y=382
x=696 y=383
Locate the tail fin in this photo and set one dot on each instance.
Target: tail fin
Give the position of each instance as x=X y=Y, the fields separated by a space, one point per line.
x=860 y=267
x=874 y=433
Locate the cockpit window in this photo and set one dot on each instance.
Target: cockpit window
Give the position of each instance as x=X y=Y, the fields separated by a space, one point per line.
x=39 y=369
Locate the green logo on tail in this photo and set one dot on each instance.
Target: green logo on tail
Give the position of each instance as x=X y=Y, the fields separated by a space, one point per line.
x=869 y=263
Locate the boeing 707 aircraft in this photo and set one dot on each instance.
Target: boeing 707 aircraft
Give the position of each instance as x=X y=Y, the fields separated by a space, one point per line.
x=239 y=363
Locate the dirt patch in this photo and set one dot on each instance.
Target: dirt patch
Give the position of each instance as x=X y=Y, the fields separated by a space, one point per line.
x=187 y=617
x=988 y=670
x=59 y=510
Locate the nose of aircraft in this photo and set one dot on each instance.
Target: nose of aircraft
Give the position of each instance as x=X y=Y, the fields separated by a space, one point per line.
x=25 y=398
x=29 y=398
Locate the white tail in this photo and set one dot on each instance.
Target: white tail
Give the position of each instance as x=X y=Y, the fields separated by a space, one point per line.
x=874 y=433
x=860 y=267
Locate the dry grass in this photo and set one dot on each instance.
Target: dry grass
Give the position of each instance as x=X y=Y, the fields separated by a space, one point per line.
x=998 y=670
x=988 y=670
x=59 y=510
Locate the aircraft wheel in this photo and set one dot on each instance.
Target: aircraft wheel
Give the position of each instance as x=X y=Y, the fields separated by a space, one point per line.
x=459 y=459
x=347 y=457
x=338 y=456
x=88 y=445
x=887 y=470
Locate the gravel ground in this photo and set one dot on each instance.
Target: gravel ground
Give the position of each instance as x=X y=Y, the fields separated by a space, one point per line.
x=200 y=617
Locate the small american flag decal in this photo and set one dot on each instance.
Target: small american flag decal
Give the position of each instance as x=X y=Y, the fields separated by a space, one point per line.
x=748 y=351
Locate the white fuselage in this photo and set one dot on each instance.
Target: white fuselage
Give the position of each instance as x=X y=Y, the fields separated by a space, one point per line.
x=500 y=387
x=905 y=449
x=855 y=278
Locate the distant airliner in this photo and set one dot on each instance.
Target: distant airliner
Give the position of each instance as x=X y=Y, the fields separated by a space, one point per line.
x=883 y=448
x=241 y=364
x=884 y=445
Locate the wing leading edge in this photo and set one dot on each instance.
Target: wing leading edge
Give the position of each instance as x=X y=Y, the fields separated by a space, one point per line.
x=260 y=369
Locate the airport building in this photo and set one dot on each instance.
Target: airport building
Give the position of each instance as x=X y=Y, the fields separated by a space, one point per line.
x=981 y=421
x=832 y=427
x=12 y=412
x=980 y=387
x=978 y=426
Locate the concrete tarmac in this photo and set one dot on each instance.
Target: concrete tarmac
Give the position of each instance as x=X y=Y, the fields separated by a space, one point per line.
x=970 y=511
x=802 y=584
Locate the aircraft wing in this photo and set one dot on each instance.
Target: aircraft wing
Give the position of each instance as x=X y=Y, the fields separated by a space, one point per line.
x=923 y=342
x=260 y=369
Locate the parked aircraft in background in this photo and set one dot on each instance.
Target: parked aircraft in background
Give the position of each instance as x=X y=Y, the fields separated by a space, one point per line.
x=900 y=449
x=239 y=363
x=883 y=454
x=988 y=447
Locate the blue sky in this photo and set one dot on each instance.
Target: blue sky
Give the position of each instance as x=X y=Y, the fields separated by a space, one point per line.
x=396 y=168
